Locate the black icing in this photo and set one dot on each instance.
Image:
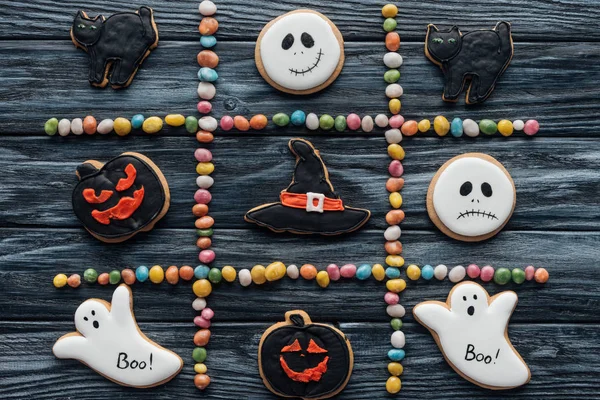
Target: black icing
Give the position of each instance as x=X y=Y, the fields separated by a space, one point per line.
x=122 y=39
x=106 y=178
x=288 y=41
x=481 y=55
x=486 y=189
x=466 y=188
x=307 y=40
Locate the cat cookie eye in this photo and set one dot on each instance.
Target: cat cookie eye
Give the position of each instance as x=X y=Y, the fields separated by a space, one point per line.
x=438 y=40
x=452 y=40
x=81 y=26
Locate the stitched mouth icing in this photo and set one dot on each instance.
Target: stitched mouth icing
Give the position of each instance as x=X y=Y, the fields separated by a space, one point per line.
x=309 y=69
x=478 y=213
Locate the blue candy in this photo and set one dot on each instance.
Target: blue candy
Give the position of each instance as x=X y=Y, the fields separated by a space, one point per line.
x=137 y=121
x=396 y=354
x=207 y=74
x=298 y=118
x=201 y=271
x=427 y=272
x=208 y=41
x=363 y=272
x=392 y=272
x=141 y=272
x=456 y=127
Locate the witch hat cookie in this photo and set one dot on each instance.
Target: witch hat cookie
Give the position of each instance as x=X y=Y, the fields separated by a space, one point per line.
x=309 y=204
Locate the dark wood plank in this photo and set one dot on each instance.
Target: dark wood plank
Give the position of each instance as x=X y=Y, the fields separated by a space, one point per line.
x=357 y=19
x=562 y=359
x=167 y=84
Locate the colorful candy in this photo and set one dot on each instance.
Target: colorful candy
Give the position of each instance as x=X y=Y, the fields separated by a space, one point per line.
x=74 y=280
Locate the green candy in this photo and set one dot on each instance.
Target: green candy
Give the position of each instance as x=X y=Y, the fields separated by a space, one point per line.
x=214 y=275
x=389 y=24
x=90 y=275
x=326 y=122
x=199 y=354
x=51 y=126
x=518 y=275
x=204 y=232
x=502 y=276
x=114 y=277
x=488 y=126
x=191 y=124
x=396 y=324
x=340 y=123
x=391 y=76
x=281 y=119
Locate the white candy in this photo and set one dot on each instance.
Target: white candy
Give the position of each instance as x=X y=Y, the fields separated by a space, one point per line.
x=293 y=272
x=312 y=121
x=398 y=339
x=105 y=126
x=381 y=120
x=392 y=233
x=64 y=127
x=518 y=124
x=206 y=90
x=367 y=124
x=245 y=277
x=394 y=91
x=199 y=304
x=393 y=136
x=208 y=124
x=395 y=311
x=204 y=181
x=440 y=272
x=470 y=128
x=207 y=8
x=457 y=274
x=392 y=60
x=77 y=126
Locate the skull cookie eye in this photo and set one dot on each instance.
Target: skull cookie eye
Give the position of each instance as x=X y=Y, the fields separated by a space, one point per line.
x=307 y=40
x=486 y=189
x=466 y=188
x=287 y=41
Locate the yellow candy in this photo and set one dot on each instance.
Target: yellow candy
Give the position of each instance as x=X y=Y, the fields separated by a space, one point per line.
x=395 y=368
x=200 y=368
x=323 y=279
x=122 y=126
x=395 y=285
x=413 y=272
x=395 y=106
x=441 y=126
x=229 y=274
x=175 y=119
x=275 y=271
x=396 y=199
x=258 y=274
x=424 y=125
x=59 y=280
x=205 y=168
x=202 y=288
x=396 y=151
x=393 y=385
x=394 y=261
x=378 y=272
x=389 y=11
x=156 y=274
x=152 y=125
x=505 y=127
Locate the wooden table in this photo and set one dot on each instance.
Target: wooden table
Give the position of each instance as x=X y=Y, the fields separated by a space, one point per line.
x=553 y=78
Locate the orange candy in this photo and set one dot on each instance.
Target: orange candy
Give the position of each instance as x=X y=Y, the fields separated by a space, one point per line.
x=409 y=128
x=103 y=279
x=204 y=243
x=394 y=217
x=200 y=210
x=172 y=275
x=241 y=123
x=202 y=337
x=394 y=184
x=201 y=381
x=128 y=276
x=74 y=280
x=186 y=273
x=208 y=58
x=258 y=122
x=204 y=222
x=541 y=275
x=392 y=41
x=89 y=125
x=204 y=137
x=208 y=26
x=393 y=247
x=308 y=272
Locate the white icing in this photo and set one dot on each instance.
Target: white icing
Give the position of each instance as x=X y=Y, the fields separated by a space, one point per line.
x=475 y=213
x=300 y=67
x=472 y=327
x=110 y=342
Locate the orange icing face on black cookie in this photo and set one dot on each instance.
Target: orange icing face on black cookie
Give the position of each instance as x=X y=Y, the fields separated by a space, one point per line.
x=294 y=354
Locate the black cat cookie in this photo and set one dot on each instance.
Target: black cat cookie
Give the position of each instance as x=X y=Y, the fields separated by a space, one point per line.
x=116 y=45
x=116 y=200
x=481 y=56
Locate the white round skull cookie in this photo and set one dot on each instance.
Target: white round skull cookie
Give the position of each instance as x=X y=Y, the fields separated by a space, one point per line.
x=300 y=52
x=471 y=197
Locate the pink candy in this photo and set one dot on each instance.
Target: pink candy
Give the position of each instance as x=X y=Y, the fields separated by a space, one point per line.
x=206 y=257
x=226 y=123
x=529 y=272
x=396 y=121
x=348 y=271
x=391 y=298
x=333 y=271
x=202 y=196
x=353 y=122
x=487 y=273
x=396 y=169
x=473 y=271
x=203 y=155
x=531 y=127
x=207 y=314
x=204 y=107
x=201 y=322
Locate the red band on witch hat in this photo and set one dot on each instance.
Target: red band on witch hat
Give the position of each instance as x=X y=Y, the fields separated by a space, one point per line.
x=300 y=200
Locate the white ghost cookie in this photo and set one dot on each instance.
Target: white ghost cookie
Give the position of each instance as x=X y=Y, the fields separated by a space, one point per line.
x=109 y=341
x=471 y=330
x=300 y=52
x=471 y=197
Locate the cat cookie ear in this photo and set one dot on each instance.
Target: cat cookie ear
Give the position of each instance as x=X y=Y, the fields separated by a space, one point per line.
x=455 y=29
x=431 y=27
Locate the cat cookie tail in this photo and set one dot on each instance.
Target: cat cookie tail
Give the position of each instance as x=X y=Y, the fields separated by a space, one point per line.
x=506 y=44
x=147 y=16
